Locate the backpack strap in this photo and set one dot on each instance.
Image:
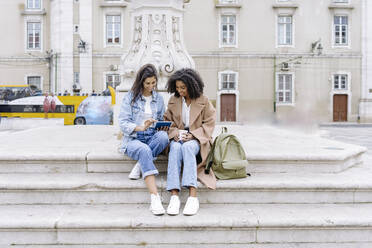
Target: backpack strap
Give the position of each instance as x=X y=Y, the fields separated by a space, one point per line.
x=210 y=158
x=224 y=143
x=224 y=130
x=211 y=152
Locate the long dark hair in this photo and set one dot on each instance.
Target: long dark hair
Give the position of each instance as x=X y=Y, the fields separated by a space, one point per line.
x=190 y=78
x=144 y=72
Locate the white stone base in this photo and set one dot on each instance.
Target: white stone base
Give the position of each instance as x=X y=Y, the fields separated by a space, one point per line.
x=318 y=166
x=365 y=109
x=268 y=149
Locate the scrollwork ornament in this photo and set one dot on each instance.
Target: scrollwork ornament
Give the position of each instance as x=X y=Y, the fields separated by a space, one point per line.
x=169 y=68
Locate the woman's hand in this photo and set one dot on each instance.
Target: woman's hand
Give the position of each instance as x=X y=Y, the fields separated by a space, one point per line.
x=147 y=124
x=176 y=138
x=187 y=137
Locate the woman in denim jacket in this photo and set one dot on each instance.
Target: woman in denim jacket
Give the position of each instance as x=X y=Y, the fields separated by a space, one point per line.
x=140 y=109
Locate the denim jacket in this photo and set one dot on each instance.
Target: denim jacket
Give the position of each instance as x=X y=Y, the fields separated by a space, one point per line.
x=131 y=115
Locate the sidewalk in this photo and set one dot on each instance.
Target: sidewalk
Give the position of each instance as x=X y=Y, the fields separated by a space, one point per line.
x=11 y=124
x=344 y=124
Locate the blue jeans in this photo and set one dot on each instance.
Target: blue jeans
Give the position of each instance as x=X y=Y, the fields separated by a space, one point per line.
x=148 y=145
x=185 y=152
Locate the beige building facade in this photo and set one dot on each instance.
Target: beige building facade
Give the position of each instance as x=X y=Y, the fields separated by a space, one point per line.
x=366 y=97
x=296 y=61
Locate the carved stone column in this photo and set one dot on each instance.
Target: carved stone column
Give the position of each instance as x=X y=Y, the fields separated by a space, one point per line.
x=157 y=38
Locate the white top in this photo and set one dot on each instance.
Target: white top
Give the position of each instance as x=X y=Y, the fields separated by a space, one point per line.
x=185 y=113
x=147 y=105
x=148 y=112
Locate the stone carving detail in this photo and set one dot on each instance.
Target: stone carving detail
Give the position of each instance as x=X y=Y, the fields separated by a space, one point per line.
x=157 y=39
x=137 y=37
x=136 y=43
x=157 y=45
x=181 y=54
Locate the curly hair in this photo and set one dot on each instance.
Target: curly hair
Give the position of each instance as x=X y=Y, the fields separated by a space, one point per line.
x=146 y=71
x=190 y=78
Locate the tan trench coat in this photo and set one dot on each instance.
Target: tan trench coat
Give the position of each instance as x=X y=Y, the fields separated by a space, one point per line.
x=201 y=125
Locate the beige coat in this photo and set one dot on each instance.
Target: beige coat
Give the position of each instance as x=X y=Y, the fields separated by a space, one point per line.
x=201 y=125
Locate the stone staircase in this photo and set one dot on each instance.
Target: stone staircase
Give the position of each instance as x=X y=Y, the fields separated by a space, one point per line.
x=52 y=204
x=85 y=199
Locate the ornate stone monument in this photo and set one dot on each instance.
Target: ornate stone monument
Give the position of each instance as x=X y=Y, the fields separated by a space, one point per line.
x=157 y=38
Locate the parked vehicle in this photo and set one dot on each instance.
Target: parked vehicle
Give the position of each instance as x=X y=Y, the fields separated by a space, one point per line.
x=95 y=110
x=75 y=110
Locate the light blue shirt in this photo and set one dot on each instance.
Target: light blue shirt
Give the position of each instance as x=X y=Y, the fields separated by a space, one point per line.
x=131 y=115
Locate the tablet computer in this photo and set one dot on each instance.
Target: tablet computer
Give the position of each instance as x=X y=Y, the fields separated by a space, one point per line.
x=160 y=124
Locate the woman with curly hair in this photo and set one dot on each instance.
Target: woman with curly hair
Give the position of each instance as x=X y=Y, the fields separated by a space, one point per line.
x=193 y=118
x=140 y=109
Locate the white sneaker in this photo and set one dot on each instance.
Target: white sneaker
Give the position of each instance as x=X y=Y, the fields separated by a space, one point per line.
x=174 y=205
x=192 y=206
x=135 y=173
x=156 y=207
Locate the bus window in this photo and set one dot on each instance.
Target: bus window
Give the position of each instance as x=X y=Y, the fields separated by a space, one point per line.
x=61 y=109
x=12 y=92
x=5 y=109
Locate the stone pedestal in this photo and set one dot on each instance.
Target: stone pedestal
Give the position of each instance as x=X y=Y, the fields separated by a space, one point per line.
x=157 y=38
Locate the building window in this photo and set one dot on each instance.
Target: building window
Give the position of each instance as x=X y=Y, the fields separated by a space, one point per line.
x=33 y=35
x=112 y=80
x=285 y=30
x=34 y=82
x=228 y=81
x=340 y=82
x=33 y=4
x=284 y=88
x=341 y=30
x=113 y=26
x=228 y=29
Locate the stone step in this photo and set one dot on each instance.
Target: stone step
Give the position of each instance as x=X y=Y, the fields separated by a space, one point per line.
x=115 y=162
x=297 y=225
x=72 y=163
x=251 y=245
x=73 y=149
x=351 y=186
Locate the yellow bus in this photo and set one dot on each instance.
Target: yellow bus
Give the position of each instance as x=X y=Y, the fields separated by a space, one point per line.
x=66 y=107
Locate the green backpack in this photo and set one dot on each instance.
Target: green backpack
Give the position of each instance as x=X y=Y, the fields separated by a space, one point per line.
x=227 y=157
